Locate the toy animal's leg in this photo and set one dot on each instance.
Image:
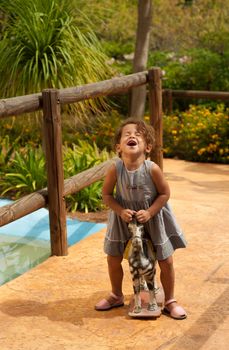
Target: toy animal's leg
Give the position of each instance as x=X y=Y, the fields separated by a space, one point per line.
x=152 y=300
x=143 y=284
x=137 y=297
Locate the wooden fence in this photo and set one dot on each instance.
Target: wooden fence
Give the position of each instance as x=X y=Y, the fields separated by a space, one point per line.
x=50 y=100
x=169 y=95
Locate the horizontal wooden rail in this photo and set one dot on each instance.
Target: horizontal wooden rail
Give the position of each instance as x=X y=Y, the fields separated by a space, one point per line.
x=31 y=103
x=19 y=105
x=37 y=200
x=23 y=206
x=103 y=88
x=213 y=95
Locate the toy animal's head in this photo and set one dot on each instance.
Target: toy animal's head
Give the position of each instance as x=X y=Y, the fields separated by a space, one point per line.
x=137 y=235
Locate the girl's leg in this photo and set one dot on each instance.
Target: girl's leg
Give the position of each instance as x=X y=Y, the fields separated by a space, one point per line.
x=115 y=299
x=115 y=273
x=167 y=277
x=168 y=282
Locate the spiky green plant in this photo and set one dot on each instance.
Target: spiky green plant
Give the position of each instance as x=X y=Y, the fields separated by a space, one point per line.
x=25 y=173
x=77 y=159
x=88 y=199
x=42 y=47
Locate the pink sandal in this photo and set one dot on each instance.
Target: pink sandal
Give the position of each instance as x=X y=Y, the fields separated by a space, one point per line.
x=177 y=312
x=110 y=302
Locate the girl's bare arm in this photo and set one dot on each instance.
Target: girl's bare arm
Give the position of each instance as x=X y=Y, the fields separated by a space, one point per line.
x=163 y=190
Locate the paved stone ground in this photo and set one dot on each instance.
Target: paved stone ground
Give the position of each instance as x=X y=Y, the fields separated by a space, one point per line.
x=52 y=305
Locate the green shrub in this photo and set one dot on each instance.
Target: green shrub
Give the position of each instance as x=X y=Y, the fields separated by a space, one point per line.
x=196 y=69
x=24 y=173
x=77 y=159
x=199 y=134
x=42 y=47
x=88 y=199
x=116 y=50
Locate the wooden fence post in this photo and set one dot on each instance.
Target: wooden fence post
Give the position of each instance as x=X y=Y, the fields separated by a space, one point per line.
x=167 y=101
x=53 y=148
x=155 y=106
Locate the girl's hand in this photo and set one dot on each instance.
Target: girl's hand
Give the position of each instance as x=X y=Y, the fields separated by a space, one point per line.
x=127 y=215
x=143 y=216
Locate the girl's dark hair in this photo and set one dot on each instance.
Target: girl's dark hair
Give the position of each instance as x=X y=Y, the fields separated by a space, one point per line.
x=145 y=129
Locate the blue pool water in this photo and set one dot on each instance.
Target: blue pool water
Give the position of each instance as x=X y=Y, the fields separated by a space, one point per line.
x=25 y=242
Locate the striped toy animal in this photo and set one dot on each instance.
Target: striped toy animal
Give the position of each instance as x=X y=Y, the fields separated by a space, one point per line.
x=142 y=267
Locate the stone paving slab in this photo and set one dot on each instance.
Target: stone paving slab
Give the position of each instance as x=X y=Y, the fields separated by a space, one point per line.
x=52 y=305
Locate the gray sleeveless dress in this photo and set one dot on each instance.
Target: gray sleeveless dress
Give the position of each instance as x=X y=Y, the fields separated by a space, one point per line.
x=135 y=190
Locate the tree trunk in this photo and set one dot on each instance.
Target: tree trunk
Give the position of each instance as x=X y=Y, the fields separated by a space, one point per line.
x=138 y=95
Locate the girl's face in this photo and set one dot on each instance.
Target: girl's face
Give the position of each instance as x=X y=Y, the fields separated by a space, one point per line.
x=132 y=141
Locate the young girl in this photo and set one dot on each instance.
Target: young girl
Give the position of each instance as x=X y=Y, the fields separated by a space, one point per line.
x=143 y=192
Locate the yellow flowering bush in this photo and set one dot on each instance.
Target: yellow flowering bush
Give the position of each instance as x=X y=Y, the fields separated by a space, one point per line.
x=198 y=134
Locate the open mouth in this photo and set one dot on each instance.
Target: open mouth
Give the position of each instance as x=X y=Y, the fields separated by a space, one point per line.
x=131 y=143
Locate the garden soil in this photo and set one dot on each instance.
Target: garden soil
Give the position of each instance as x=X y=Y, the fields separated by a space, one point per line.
x=52 y=305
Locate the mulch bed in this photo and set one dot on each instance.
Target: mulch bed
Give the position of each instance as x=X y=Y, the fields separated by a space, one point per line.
x=97 y=216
